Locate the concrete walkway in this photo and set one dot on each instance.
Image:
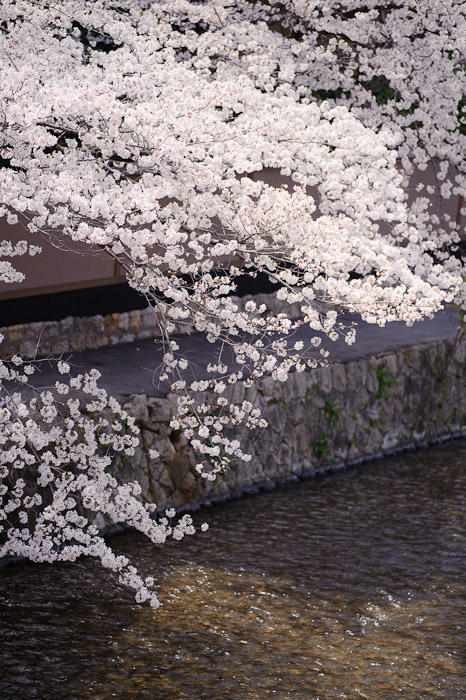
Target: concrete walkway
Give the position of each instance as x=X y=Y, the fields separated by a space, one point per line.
x=131 y=368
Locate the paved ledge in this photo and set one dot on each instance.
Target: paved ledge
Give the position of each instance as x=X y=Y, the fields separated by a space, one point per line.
x=129 y=368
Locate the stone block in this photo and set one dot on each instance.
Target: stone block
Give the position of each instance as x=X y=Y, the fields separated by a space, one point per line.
x=353 y=454
x=137 y=407
x=325 y=379
x=447 y=411
x=375 y=442
x=275 y=416
x=158 y=497
x=309 y=471
x=370 y=381
x=253 y=394
x=370 y=413
x=295 y=411
x=390 y=362
x=29 y=349
x=412 y=359
x=254 y=471
x=349 y=401
x=100 y=341
x=165 y=482
x=318 y=401
x=188 y=486
x=270 y=465
x=16 y=333
x=356 y=374
x=98 y=323
x=111 y=323
x=296 y=385
x=229 y=477
x=361 y=438
x=123 y=321
x=300 y=439
x=35 y=329
x=134 y=320
x=235 y=393
x=460 y=354
x=296 y=465
x=311 y=377
x=160 y=410
x=146 y=333
x=271 y=389
x=155 y=466
x=391 y=439
x=284 y=457
x=339 y=377
x=147 y=317
x=346 y=426
x=124 y=338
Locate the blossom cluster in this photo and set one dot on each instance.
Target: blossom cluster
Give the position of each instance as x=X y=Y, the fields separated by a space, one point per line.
x=198 y=143
x=399 y=67
x=57 y=446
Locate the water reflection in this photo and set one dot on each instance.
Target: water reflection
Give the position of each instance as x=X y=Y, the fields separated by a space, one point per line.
x=352 y=586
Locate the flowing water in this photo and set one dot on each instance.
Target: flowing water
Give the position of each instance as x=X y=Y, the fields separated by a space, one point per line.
x=349 y=586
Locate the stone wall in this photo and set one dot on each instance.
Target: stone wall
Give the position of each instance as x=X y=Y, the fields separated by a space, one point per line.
x=319 y=420
x=73 y=334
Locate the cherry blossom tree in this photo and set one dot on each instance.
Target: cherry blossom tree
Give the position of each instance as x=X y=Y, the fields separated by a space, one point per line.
x=150 y=130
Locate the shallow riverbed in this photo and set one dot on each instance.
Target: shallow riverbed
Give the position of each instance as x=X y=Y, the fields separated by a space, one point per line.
x=349 y=586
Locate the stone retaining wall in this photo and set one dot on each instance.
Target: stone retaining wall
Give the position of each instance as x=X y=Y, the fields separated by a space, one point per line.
x=319 y=420
x=73 y=334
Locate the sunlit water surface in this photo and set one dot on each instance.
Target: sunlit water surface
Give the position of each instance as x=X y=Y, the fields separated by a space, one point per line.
x=350 y=586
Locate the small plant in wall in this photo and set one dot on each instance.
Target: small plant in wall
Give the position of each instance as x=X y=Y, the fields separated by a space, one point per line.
x=385 y=380
x=321 y=447
x=332 y=413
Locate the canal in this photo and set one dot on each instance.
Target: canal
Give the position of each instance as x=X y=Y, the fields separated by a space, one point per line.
x=349 y=586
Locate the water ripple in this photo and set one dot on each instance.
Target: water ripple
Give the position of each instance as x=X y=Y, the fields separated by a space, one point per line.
x=352 y=586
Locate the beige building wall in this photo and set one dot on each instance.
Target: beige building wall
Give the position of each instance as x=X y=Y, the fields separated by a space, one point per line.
x=65 y=265
x=62 y=265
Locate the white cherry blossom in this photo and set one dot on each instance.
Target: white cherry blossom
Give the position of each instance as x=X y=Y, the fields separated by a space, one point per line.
x=197 y=143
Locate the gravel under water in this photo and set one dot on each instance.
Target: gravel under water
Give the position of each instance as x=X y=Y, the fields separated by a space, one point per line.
x=349 y=586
